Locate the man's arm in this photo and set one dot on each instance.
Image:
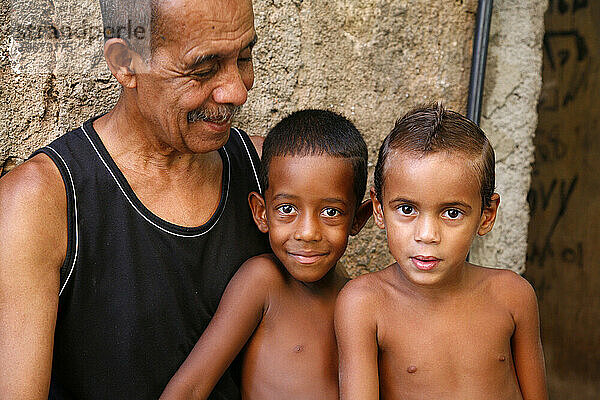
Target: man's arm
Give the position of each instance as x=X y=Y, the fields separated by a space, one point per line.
x=356 y=334
x=33 y=243
x=526 y=343
x=241 y=309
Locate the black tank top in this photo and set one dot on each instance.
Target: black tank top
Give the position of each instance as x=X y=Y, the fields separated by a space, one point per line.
x=136 y=291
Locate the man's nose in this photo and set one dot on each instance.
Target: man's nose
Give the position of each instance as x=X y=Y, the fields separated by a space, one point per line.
x=427 y=230
x=307 y=229
x=232 y=88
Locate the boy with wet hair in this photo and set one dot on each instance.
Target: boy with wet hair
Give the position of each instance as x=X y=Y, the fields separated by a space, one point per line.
x=432 y=325
x=279 y=307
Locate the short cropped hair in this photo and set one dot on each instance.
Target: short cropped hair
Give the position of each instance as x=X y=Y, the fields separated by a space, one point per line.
x=314 y=133
x=135 y=21
x=431 y=129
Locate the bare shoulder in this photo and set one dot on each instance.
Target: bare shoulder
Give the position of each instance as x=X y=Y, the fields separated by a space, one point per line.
x=366 y=291
x=258 y=141
x=33 y=199
x=35 y=178
x=33 y=190
x=263 y=269
x=506 y=285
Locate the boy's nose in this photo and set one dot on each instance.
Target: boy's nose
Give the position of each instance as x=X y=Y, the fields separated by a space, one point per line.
x=426 y=230
x=307 y=229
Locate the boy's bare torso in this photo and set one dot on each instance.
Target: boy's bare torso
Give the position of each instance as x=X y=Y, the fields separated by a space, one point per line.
x=449 y=346
x=292 y=354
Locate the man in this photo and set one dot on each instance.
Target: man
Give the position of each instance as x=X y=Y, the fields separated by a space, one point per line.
x=119 y=238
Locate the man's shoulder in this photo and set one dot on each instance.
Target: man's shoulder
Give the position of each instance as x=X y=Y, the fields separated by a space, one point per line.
x=34 y=208
x=36 y=180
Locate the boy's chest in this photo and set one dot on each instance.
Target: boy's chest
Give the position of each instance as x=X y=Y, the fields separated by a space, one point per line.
x=460 y=347
x=293 y=350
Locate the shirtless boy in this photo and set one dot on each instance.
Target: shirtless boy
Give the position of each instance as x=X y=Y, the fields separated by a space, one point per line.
x=431 y=325
x=280 y=306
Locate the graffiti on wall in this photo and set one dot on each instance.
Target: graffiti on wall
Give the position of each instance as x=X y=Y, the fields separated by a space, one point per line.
x=555 y=183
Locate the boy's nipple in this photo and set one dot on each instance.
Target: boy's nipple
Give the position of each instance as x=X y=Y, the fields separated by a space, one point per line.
x=411 y=369
x=502 y=358
x=298 y=348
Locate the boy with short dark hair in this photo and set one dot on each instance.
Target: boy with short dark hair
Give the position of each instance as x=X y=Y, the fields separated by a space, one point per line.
x=278 y=307
x=432 y=325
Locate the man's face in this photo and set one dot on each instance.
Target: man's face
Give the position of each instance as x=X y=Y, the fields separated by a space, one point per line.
x=199 y=72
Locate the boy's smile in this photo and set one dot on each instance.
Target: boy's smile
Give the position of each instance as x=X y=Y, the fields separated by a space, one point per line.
x=431 y=212
x=308 y=211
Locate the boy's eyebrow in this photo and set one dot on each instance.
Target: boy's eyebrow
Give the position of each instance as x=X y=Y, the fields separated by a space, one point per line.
x=448 y=204
x=457 y=203
x=402 y=200
x=285 y=196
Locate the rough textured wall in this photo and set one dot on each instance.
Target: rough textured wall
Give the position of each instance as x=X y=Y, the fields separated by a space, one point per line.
x=564 y=229
x=371 y=60
x=509 y=117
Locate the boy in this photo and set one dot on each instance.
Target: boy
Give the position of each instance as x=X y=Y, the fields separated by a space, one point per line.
x=431 y=325
x=279 y=307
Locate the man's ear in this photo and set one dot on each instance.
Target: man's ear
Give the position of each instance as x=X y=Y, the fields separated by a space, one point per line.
x=377 y=210
x=259 y=211
x=120 y=59
x=488 y=216
x=362 y=215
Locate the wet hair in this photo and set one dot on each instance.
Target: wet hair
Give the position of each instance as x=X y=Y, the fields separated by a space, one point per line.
x=432 y=129
x=314 y=133
x=131 y=14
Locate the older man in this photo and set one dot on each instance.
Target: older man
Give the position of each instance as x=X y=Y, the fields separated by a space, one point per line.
x=118 y=239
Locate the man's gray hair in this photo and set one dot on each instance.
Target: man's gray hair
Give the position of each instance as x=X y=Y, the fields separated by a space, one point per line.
x=131 y=20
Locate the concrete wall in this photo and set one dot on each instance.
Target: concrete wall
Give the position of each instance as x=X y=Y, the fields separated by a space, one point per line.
x=563 y=234
x=371 y=60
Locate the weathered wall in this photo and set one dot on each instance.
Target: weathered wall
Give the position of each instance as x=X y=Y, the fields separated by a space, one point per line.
x=563 y=251
x=512 y=87
x=371 y=60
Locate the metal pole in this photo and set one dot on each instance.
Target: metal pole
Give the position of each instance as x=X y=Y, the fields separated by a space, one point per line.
x=480 y=46
x=478 y=61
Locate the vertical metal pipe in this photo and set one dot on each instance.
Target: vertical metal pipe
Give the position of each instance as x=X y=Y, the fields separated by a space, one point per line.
x=480 y=46
x=478 y=62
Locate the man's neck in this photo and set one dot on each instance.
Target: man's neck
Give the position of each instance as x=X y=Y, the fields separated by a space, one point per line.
x=160 y=175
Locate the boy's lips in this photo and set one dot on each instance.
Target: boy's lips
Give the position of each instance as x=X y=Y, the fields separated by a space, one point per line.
x=425 y=263
x=306 y=257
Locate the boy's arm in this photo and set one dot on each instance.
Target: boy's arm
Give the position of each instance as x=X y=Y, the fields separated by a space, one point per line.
x=356 y=334
x=526 y=343
x=239 y=312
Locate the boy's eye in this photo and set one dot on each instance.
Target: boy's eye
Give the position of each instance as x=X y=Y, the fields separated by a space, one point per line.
x=286 y=209
x=452 y=213
x=331 y=212
x=406 y=209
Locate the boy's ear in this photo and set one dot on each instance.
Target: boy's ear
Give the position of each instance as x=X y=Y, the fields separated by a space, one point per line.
x=362 y=215
x=488 y=216
x=377 y=210
x=120 y=59
x=259 y=211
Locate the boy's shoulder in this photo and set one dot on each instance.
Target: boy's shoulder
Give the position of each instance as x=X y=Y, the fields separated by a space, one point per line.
x=263 y=269
x=504 y=284
x=371 y=288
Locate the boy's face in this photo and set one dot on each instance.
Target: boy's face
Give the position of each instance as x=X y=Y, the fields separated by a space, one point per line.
x=308 y=211
x=431 y=210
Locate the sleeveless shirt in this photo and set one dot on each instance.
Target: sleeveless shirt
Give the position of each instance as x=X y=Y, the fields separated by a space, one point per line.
x=136 y=291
